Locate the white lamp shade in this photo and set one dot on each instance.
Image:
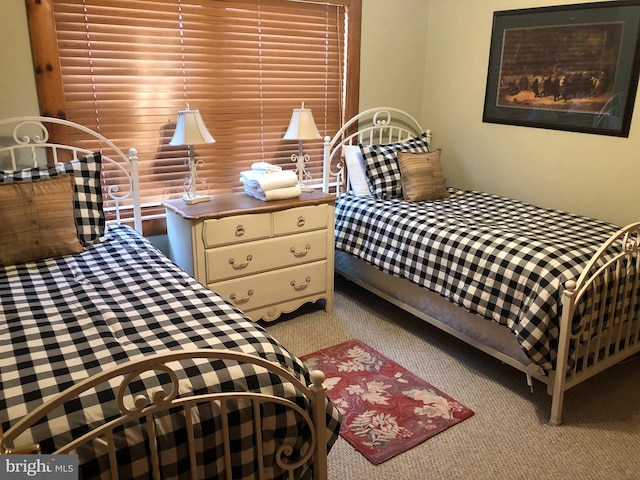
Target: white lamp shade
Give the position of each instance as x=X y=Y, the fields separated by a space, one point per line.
x=190 y=129
x=302 y=126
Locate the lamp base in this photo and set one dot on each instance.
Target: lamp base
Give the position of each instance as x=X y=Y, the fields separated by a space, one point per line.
x=196 y=199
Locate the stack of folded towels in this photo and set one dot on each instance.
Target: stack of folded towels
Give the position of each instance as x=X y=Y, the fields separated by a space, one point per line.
x=270 y=182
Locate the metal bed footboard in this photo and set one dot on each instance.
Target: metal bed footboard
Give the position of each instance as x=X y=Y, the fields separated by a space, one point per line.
x=600 y=324
x=148 y=408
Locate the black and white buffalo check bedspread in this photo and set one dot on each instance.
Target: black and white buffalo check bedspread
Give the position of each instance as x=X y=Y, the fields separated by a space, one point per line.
x=64 y=319
x=502 y=259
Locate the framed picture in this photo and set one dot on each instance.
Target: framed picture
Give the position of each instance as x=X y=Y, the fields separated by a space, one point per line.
x=568 y=67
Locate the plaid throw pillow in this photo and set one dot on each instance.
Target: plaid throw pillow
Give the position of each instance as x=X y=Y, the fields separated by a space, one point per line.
x=381 y=162
x=87 y=198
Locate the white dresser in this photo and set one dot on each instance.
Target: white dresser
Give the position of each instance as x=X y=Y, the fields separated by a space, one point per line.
x=267 y=258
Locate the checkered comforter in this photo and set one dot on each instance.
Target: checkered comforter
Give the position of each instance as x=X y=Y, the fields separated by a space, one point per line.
x=64 y=319
x=500 y=258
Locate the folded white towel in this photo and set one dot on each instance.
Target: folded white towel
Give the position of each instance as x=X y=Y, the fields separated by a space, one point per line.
x=277 y=194
x=264 y=167
x=269 y=181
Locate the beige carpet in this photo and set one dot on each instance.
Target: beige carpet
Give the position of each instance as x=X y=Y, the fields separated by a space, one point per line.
x=509 y=436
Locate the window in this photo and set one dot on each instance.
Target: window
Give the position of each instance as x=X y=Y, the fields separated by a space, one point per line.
x=127 y=66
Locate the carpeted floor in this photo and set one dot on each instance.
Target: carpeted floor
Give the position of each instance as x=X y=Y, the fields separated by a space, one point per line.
x=509 y=436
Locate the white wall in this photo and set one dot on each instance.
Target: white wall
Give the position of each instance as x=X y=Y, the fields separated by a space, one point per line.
x=17 y=83
x=588 y=174
x=393 y=54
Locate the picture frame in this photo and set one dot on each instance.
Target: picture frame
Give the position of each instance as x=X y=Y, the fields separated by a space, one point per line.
x=567 y=67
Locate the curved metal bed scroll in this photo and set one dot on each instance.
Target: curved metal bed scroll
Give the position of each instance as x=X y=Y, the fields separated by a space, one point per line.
x=374 y=126
x=40 y=140
x=147 y=408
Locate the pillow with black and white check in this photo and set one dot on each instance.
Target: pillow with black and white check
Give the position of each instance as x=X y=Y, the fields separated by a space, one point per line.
x=381 y=163
x=87 y=192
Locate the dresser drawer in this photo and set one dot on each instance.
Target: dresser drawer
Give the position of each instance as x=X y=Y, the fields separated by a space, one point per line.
x=240 y=228
x=264 y=255
x=269 y=288
x=300 y=219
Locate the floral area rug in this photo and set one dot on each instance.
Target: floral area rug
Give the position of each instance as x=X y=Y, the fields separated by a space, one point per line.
x=386 y=409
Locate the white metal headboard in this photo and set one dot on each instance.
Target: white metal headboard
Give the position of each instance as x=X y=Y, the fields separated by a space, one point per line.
x=30 y=145
x=375 y=126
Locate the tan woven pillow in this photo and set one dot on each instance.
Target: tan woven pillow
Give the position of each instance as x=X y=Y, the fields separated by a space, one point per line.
x=37 y=220
x=422 y=177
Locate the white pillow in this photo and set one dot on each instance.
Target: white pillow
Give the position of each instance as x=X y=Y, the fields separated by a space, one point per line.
x=355 y=169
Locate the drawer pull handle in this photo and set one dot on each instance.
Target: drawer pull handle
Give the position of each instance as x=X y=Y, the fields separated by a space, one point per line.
x=240 y=266
x=307 y=247
x=239 y=231
x=301 y=221
x=302 y=286
x=239 y=301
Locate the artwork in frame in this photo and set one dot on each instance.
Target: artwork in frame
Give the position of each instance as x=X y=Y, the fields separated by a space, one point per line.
x=567 y=67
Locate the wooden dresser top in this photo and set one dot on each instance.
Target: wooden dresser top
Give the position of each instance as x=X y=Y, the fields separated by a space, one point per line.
x=239 y=203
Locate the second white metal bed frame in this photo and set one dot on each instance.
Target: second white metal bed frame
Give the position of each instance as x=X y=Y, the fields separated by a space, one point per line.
x=618 y=339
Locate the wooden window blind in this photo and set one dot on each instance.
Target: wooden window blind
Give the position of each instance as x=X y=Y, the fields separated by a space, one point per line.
x=125 y=68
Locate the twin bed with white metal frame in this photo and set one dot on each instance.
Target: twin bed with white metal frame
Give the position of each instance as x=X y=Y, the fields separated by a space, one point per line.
x=118 y=356
x=563 y=291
